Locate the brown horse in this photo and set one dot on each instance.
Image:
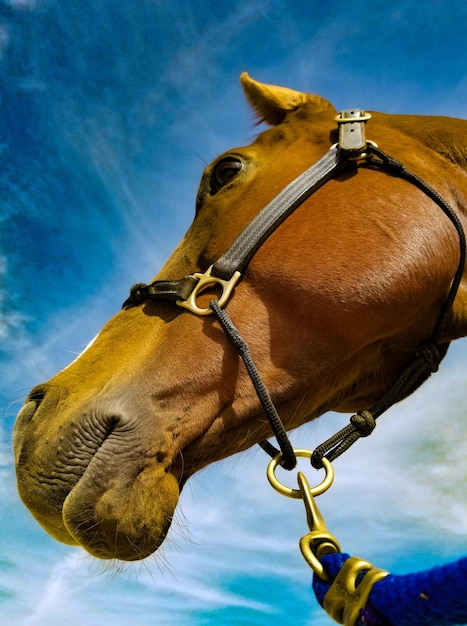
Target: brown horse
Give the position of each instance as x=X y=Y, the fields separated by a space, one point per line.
x=333 y=305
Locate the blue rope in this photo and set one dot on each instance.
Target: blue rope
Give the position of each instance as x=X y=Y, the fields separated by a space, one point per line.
x=435 y=597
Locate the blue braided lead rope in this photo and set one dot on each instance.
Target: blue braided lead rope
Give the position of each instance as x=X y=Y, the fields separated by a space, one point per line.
x=435 y=597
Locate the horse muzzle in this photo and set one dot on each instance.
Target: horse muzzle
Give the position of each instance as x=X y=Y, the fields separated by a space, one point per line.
x=90 y=477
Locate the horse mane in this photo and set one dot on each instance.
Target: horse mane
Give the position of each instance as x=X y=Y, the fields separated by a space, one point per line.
x=445 y=135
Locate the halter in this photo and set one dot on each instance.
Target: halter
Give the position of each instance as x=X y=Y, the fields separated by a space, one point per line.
x=351 y=151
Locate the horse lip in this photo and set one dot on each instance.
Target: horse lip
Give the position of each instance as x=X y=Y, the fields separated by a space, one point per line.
x=23 y=418
x=118 y=510
x=99 y=489
x=26 y=413
x=45 y=480
x=84 y=448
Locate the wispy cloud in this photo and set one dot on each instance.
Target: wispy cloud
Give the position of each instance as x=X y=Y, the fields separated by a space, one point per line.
x=110 y=165
x=232 y=527
x=24 y=4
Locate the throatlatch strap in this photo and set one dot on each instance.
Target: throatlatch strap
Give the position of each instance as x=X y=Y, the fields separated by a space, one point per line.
x=397 y=168
x=429 y=356
x=363 y=423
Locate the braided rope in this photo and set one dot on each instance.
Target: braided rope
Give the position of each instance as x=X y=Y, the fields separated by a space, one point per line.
x=289 y=460
x=434 y=597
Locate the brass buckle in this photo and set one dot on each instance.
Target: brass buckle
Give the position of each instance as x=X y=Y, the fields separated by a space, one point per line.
x=205 y=281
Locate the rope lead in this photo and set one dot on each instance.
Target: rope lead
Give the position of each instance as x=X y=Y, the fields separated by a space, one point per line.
x=434 y=597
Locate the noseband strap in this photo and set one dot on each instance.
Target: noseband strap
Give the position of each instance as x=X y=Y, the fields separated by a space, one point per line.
x=161 y=289
x=228 y=270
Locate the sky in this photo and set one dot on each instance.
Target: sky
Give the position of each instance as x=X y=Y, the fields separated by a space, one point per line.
x=109 y=112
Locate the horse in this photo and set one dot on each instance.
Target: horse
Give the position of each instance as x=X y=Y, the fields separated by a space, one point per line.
x=332 y=302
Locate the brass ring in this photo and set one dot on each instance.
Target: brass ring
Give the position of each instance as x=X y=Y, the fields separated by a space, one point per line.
x=296 y=493
x=208 y=280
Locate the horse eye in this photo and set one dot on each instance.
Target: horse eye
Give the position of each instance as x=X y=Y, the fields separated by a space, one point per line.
x=224 y=171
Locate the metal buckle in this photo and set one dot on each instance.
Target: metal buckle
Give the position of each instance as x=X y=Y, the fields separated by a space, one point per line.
x=351 y=124
x=208 y=280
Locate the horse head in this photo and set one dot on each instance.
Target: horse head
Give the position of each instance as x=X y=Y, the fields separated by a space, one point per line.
x=333 y=305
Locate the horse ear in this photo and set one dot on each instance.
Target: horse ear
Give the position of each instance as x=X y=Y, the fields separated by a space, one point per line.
x=457 y=324
x=272 y=103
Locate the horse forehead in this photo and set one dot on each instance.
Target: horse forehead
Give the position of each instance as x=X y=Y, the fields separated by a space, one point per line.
x=300 y=129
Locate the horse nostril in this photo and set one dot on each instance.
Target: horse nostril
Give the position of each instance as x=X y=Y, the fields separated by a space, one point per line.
x=36 y=395
x=30 y=407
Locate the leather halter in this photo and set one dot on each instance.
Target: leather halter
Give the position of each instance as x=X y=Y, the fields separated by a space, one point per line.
x=228 y=269
x=352 y=150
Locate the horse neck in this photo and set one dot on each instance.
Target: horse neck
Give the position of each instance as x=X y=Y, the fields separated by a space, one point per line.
x=446 y=136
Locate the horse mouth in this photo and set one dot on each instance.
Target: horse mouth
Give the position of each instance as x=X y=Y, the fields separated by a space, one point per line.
x=96 y=487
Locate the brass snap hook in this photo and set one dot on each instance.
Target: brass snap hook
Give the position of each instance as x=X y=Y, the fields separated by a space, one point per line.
x=319 y=540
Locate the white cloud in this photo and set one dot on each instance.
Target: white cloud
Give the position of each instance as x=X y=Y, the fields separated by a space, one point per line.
x=56 y=598
x=387 y=498
x=27 y=5
x=398 y=489
x=10 y=319
x=4 y=41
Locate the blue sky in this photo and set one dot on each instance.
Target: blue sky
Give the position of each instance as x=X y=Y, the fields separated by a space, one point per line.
x=109 y=113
